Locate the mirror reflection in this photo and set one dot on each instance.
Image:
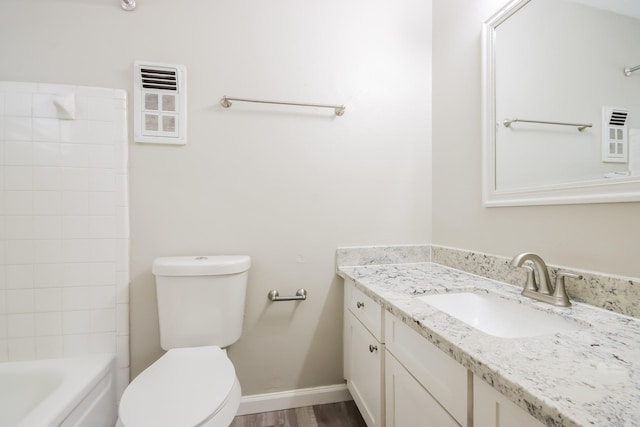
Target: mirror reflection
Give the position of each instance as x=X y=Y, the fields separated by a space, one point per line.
x=565 y=110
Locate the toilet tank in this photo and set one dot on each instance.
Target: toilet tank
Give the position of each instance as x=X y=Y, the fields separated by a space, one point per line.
x=200 y=299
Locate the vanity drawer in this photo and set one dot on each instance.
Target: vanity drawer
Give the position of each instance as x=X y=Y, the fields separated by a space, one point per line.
x=364 y=309
x=444 y=378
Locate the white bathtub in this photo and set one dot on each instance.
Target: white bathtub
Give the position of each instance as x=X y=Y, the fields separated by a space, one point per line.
x=58 y=392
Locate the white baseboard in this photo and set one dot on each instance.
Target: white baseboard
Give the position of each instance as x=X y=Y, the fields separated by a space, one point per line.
x=293 y=399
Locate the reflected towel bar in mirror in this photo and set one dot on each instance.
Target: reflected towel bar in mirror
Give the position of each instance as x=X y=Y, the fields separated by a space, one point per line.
x=580 y=126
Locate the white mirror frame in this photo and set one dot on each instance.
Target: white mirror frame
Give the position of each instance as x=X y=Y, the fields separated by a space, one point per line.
x=613 y=190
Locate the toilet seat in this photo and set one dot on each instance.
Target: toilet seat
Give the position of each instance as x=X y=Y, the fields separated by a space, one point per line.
x=185 y=387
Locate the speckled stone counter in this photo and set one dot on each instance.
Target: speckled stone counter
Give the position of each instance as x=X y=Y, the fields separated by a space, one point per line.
x=588 y=377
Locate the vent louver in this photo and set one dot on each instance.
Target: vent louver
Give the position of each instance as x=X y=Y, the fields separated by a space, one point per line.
x=618 y=117
x=160 y=103
x=159 y=79
x=615 y=140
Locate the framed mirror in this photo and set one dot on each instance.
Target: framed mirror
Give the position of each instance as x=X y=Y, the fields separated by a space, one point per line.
x=561 y=94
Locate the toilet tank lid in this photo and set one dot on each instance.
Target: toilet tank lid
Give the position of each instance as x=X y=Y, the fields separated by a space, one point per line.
x=201 y=265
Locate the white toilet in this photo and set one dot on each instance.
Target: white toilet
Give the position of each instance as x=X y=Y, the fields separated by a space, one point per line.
x=200 y=308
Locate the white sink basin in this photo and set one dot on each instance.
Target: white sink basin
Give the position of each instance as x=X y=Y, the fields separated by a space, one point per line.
x=500 y=317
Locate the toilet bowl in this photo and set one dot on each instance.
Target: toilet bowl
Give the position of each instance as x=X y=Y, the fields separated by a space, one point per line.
x=200 y=310
x=186 y=387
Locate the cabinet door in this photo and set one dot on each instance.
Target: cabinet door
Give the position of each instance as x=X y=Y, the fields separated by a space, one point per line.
x=492 y=409
x=408 y=404
x=365 y=357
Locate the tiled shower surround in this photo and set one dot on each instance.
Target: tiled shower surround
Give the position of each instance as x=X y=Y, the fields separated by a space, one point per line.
x=64 y=234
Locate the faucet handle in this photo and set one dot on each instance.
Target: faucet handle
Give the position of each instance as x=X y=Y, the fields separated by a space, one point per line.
x=560 y=293
x=531 y=283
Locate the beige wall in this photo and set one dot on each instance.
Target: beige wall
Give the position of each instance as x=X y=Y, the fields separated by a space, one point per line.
x=286 y=186
x=601 y=237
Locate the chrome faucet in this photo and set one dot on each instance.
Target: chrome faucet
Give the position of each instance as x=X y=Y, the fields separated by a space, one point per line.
x=540 y=290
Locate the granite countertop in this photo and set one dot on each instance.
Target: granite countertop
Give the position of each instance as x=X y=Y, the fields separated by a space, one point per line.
x=588 y=377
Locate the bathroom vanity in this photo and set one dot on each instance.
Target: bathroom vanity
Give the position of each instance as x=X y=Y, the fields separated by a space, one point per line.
x=406 y=361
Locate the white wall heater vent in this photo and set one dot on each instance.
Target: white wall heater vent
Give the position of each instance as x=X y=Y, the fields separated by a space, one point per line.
x=160 y=103
x=615 y=139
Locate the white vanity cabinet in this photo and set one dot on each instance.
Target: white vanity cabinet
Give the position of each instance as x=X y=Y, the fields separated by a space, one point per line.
x=364 y=354
x=424 y=386
x=492 y=409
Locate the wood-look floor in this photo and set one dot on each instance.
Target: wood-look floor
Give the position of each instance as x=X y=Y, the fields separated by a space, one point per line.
x=342 y=414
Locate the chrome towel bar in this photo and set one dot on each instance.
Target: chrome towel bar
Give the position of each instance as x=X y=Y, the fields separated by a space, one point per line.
x=301 y=295
x=226 y=103
x=580 y=126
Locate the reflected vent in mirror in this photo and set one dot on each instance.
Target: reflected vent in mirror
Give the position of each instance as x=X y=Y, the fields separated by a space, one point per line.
x=615 y=144
x=160 y=103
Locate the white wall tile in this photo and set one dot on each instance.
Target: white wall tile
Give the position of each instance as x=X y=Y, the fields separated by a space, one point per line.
x=46 y=130
x=21 y=349
x=122 y=287
x=74 y=155
x=4 y=351
x=122 y=223
x=18 y=252
x=76 y=250
x=75 y=227
x=122 y=381
x=102 y=180
x=18 y=129
x=102 y=156
x=18 y=178
x=75 y=131
x=122 y=255
x=101 y=108
x=20 y=325
x=18 y=227
x=101 y=132
x=47 y=203
x=76 y=274
x=75 y=203
x=103 y=320
x=103 y=343
x=20 y=301
x=122 y=351
x=46 y=178
x=18 y=153
x=102 y=203
x=122 y=319
x=18 y=202
x=46 y=154
x=103 y=297
x=122 y=190
x=63 y=220
x=19 y=276
x=102 y=227
x=75 y=345
x=47 y=275
x=74 y=179
x=49 y=347
x=47 y=324
x=76 y=322
x=103 y=250
x=77 y=298
x=47 y=300
x=47 y=251
x=47 y=227
x=102 y=274
x=43 y=106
